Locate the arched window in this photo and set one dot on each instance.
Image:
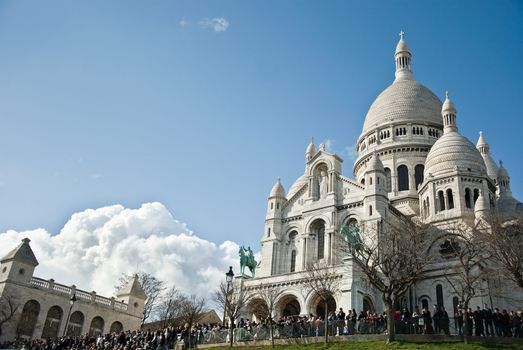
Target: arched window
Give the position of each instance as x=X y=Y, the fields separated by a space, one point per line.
x=403 y=178
x=318 y=227
x=425 y=304
x=388 y=182
x=441 y=199
x=370 y=210
x=27 y=323
x=293 y=261
x=269 y=232
x=450 y=199
x=418 y=174
x=455 y=303
x=439 y=295
x=76 y=323
x=52 y=322
x=476 y=195
x=97 y=326
x=116 y=327
x=467 y=198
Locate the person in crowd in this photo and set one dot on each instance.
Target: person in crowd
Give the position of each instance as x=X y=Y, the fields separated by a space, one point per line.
x=478 y=322
x=488 y=320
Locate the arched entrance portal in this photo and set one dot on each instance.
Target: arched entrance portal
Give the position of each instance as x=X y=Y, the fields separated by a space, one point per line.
x=289 y=306
x=76 y=322
x=258 y=309
x=52 y=322
x=320 y=307
x=368 y=305
x=27 y=323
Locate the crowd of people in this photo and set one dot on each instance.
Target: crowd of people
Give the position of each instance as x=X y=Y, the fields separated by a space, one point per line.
x=480 y=322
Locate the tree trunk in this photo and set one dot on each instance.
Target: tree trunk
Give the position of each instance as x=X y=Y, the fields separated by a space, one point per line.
x=465 y=322
x=391 y=331
x=272 y=332
x=326 y=326
x=231 y=330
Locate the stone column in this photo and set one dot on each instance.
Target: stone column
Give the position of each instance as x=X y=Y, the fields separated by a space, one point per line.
x=304 y=253
x=327 y=248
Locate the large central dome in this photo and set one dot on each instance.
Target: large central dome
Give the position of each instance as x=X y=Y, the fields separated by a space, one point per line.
x=404 y=101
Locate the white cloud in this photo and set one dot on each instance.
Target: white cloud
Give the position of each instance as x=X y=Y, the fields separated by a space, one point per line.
x=96 y=176
x=328 y=144
x=219 y=24
x=184 y=23
x=97 y=245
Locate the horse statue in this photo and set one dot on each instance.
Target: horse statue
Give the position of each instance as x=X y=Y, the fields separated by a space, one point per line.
x=247 y=259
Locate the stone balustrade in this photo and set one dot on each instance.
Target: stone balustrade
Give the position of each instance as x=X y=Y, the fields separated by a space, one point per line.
x=88 y=297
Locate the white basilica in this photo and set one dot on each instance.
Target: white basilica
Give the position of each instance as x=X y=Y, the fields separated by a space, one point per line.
x=432 y=173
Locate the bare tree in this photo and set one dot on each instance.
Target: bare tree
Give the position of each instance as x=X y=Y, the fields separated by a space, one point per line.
x=505 y=242
x=152 y=287
x=323 y=280
x=232 y=303
x=8 y=308
x=169 y=305
x=392 y=255
x=267 y=294
x=466 y=251
x=191 y=311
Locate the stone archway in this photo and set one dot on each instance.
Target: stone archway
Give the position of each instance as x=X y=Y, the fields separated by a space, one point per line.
x=320 y=306
x=258 y=309
x=27 y=323
x=368 y=305
x=97 y=326
x=52 y=322
x=116 y=327
x=76 y=322
x=288 y=305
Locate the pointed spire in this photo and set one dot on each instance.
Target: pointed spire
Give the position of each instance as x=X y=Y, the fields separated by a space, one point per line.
x=403 y=57
x=448 y=112
x=482 y=145
x=277 y=190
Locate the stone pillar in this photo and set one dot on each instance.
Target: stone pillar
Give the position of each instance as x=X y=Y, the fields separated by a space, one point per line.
x=304 y=253
x=412 y=181
x=51 y=284
x=327 y=248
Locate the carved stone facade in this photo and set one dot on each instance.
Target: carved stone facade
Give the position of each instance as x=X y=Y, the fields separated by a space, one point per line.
x=44 y=307
x=412 y=161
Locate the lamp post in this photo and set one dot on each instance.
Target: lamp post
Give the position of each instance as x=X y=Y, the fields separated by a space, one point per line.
x=228 y=279
x=71 y=302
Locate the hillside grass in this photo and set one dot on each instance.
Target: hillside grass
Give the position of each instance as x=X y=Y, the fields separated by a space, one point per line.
x=379 y=344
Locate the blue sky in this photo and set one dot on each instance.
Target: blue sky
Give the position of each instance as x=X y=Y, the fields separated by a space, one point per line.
x=126 y=102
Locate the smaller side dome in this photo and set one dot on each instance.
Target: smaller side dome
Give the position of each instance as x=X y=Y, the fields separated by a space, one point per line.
x=375 y=164
x=277 y=190
x=502 y=171
x=484 y=148
x=311 y=150
x=453 y=151
x=482 y=204
x=448 y=106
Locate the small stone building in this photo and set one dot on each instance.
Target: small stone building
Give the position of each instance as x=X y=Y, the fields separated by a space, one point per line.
x=45 y=308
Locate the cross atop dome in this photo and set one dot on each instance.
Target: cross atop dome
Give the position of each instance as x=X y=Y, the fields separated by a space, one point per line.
x=403 y=57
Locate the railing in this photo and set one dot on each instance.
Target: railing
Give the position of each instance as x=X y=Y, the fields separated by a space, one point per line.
x=296 y=330
x=89 y=297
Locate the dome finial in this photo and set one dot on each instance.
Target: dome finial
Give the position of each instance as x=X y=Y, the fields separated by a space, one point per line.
x=448 y=112
x=403 y=57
